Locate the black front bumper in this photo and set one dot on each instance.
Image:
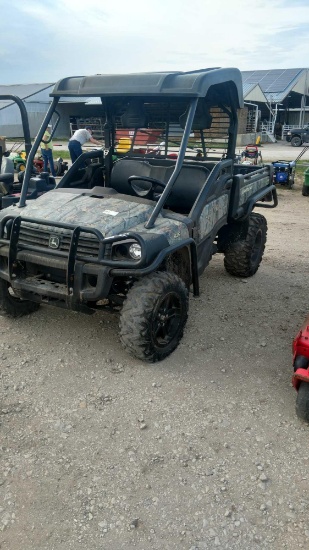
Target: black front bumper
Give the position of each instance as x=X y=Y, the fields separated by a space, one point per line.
x=76 y=268
x=77 y=292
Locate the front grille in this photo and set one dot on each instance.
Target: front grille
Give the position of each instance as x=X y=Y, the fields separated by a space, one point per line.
x=36 y=237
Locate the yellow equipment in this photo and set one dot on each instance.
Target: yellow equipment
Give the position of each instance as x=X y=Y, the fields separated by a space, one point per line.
x=124 y=145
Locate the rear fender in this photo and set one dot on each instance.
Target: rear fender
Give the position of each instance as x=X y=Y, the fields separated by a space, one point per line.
x=232 y=232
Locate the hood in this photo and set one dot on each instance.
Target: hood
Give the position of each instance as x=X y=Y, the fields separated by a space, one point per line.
x=110 y=215
x=298 y=130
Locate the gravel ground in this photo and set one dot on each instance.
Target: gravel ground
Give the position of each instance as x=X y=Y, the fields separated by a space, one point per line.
x=200 y=451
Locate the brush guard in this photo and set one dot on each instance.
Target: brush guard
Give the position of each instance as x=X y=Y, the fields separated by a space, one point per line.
x=73 y=294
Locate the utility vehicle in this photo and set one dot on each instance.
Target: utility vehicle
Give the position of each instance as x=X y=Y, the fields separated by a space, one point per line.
x=9 y=190
x=6 y=163
x=298 y=136
x=134 y=228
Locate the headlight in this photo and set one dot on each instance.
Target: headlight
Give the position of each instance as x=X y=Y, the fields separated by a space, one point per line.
x=126 y=250
x=135 y=251
x=288 y=133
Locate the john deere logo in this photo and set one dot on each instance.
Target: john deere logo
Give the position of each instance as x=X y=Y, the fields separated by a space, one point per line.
x=54 y=241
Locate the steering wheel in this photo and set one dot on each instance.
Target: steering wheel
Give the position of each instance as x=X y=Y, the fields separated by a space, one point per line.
x=145 y=193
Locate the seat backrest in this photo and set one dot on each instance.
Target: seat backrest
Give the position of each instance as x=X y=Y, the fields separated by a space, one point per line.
x=36 y=183
x=202 y=118
x=87 y=177
x=121 y=172
x=186 y=188
x=134 y=116
x=7 y=166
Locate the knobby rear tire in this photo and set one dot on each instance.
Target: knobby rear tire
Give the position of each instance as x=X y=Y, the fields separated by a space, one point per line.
x=243 y=257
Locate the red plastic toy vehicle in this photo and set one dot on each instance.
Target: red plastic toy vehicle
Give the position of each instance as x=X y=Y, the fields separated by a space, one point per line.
x=300 y=378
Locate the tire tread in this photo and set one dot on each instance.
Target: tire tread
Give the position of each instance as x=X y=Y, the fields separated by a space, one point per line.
x=137 y=310
x=13 y=307
x=302 y=402
x=237 y=258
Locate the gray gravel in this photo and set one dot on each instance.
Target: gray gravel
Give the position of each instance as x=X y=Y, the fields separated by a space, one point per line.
x=200 y=451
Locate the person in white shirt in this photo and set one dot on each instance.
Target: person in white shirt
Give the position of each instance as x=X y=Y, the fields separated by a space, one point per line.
x=79 y=138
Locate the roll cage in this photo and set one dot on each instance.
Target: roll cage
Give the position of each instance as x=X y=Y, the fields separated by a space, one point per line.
x=180 y=113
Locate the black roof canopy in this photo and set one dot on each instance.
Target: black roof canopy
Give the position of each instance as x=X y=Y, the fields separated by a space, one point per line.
x=225 y=84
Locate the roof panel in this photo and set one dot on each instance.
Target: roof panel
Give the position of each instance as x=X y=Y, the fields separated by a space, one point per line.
x=23 y=90
x=247 y=87
x=253 y=92
x=29 y=93
x=275 y=83
x=173 y=84
x=274 y=80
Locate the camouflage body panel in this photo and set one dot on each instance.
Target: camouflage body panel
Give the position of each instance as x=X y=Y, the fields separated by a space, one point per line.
x=249 y=189
x=110 y=215
x=172 y=229
x=211 y=214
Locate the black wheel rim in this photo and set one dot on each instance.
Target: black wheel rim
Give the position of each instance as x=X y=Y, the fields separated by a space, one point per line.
x=256 y=251
x=166 y=319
